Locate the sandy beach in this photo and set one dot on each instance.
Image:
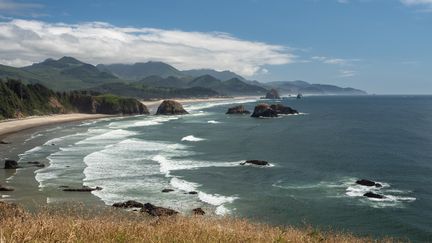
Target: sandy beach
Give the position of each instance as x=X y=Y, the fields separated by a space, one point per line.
x=15 y=125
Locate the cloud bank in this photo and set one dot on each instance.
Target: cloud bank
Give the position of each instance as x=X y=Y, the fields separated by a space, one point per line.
x=23 y=42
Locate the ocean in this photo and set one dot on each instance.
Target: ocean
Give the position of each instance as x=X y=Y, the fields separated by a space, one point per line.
x=315 y=158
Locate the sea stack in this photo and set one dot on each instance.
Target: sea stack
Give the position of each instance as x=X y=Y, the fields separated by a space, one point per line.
x=171 y=107
x=273 y=94
x=240 y=110
x=264 y=110
x=285 y=110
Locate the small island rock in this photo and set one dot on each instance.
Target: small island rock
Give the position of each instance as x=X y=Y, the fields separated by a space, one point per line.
x=11 y=164
x=167 y=190
x=365 y=182
x=281 y=109
x=198 y=211
x=6 y=189
x=83 y=189
x=256 y=162
x=240 y=109
x=264 y=110
x=157 y=211
x=373 y=195
x=128 y=204
x=171 y=107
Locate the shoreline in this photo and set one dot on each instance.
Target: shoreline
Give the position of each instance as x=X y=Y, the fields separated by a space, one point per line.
x=9 y=127
x=16 y=131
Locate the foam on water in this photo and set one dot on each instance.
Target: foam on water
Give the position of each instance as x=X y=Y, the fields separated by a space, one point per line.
x=347 y=187
x=206 y=105
x=192 y=138
x=213 y=122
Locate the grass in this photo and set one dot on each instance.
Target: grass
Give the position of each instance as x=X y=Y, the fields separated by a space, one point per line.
x=77 y=224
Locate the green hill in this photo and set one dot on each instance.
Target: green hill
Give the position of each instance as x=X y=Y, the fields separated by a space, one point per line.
x=139 y=71
x=21 y=100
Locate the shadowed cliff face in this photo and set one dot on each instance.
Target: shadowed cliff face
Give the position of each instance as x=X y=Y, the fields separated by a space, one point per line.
x=19 y=100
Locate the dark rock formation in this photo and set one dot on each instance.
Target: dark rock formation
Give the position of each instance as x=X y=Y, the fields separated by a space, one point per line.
x=167 y=190
x=192 y=192
x=264 y=110
x=273 y=94
x=240 y=109
x=281 y=109
x=11 y=164
x=128 y=204
x=4 y=142
x=157 y=211
x=171 y=107
x=256 y=162
x=198 y=211
x=36 y=163
x=365 y=182
x=6 y=189
x=373 y=195
x=83 y=189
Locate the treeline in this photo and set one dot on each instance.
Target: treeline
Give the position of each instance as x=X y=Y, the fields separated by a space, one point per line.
x=20 y=100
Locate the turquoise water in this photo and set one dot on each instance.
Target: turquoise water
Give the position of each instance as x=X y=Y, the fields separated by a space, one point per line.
x=315 y=159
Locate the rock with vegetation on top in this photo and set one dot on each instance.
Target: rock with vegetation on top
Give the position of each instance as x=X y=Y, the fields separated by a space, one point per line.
x=281 y=109
x=256 y=162
x=128 y=204
x=171 y=107
x=373 y=195
x=157 y=211
x=240 y=109
x=273 y=94
x=11 y=164
x=264 y=110
x=198 y=211
x=365 y=182
x=83 y=189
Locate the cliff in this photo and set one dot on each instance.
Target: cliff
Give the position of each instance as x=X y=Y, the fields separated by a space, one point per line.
x=18 y=100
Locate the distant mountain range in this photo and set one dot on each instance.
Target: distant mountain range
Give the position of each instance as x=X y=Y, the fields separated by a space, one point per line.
x=154 y=80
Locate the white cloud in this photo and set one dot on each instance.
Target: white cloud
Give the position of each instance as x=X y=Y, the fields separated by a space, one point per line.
x=336 y=61
x=416 y=2
x=32 y=41
x=347 y=73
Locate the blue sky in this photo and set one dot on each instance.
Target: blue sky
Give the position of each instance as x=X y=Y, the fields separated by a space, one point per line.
x=382 y=46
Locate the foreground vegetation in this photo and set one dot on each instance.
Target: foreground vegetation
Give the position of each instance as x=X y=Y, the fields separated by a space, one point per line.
x=79 y=225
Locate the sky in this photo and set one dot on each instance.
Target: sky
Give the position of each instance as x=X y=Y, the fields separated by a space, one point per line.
x=381 y=46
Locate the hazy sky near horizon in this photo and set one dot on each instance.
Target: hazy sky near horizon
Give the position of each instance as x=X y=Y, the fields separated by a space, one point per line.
x=382 y=46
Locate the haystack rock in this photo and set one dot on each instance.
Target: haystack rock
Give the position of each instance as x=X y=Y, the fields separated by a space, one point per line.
x=273 y=94
x=264 y=110
x=240 y=109
x=281 y=109
x=171 y=107
x=157 y=211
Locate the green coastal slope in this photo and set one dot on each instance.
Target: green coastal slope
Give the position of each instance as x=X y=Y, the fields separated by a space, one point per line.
x=19 y=100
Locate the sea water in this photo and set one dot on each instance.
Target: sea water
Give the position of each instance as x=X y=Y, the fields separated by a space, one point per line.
x=315 y=157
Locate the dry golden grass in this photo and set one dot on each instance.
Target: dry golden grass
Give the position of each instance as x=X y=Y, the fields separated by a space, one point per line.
x=77 y=225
